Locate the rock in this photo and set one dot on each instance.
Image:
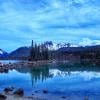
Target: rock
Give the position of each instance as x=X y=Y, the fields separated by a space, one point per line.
x=45 y=91
x=6 y=70
x=9 y=62
x=3 y=97
x=1 y=64
x=63 y=97
x=8 y=89
x=19 y=92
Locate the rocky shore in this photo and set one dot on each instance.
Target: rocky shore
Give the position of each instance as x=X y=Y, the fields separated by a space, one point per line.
x=10 y=66
x=11 y=93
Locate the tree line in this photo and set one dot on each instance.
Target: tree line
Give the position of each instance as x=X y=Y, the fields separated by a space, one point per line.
x=40 y=52
x=45 y=51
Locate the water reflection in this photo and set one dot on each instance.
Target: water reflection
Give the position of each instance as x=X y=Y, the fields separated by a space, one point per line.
x=39 y=74
x=42 y=73
x=57 y=78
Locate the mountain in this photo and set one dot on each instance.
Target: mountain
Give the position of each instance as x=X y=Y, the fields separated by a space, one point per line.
x=3 y=53
x=80 y=49
x=24 y=52
x=20 y=52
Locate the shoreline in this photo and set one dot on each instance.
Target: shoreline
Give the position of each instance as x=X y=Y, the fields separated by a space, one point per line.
x=21 y=64
x=9 y=94
x=10 y=66
x=46 y=96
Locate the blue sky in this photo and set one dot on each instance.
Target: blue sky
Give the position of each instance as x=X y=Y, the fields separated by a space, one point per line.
x=74 y=21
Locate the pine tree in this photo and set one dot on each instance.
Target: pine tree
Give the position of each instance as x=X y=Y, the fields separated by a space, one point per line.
x=39 y=52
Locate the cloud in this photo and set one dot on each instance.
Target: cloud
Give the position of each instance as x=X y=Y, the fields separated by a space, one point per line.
x=89 y=42
x=41 y=20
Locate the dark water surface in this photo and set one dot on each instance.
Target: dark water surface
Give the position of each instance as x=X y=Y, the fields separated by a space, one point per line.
x=58 y=79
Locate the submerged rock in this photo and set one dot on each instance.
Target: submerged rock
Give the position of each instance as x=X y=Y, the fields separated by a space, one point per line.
x=3 y=97
x=19 y=92
x=45 y=91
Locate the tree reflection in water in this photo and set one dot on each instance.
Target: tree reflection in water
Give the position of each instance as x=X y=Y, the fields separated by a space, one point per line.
x=39 y=74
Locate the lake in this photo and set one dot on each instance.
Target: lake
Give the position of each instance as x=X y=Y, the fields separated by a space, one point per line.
x=9 y=61
x=61 y=80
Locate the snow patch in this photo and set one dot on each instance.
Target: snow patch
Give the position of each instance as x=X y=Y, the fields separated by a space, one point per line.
x=1 y=52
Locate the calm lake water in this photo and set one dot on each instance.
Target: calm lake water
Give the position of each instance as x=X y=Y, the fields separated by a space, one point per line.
x=72 y=81
x=9 y=61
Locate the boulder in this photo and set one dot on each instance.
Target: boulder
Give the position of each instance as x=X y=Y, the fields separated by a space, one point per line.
x=3 y=97
x=8 y=89
x=19 y=92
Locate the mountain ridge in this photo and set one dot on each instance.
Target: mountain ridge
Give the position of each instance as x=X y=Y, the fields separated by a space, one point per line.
x=25 y=51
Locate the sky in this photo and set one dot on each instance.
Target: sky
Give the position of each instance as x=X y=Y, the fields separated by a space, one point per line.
x=74 y=21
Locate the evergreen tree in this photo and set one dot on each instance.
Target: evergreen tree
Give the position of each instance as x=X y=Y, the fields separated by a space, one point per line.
x=39 y=52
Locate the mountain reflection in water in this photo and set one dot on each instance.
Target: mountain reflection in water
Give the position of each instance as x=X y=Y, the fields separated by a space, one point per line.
x=42 y=73
x=56 y=78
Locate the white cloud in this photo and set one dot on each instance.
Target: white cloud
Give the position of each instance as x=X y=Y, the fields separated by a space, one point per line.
x=56 y=20
x=89 y=42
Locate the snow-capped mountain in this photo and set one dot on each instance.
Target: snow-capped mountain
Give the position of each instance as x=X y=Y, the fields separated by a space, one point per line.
x=3 y=53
